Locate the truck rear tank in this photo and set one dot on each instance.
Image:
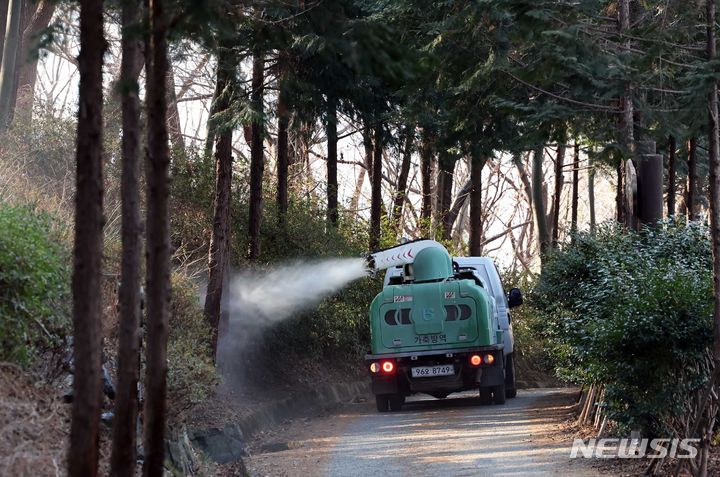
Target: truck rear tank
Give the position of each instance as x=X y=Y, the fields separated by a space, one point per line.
x=433 y=331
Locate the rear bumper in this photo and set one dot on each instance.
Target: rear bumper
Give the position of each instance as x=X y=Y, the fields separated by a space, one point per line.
x=371 y=357
x=400 y=381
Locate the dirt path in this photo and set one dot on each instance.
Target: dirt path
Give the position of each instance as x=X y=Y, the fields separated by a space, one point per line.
x=453 y=437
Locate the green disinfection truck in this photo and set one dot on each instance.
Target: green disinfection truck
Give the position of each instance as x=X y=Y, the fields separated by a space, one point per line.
x=439 y=326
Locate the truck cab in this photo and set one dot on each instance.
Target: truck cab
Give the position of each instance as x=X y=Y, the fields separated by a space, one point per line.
x=441 y=326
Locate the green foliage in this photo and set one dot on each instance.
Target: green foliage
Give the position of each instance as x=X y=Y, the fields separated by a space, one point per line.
x=34 y=280
x=632 y=311
x=531 y=344
x=191 y=198
x=305 y=232
x=191 y=371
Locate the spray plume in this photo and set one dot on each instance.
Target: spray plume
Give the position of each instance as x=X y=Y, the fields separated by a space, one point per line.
x=285 y=290
x=258 y=299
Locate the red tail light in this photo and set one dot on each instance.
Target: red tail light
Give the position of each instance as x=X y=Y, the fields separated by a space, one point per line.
x=388 y=367
x=475 y=360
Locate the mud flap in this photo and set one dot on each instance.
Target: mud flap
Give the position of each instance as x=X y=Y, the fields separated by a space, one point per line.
x=384 y=385
x=490 y=376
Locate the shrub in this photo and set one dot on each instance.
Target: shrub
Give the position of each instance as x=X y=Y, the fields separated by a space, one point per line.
x=33 y=283
x=632 y=311
x=531 y=345
x=191 y=371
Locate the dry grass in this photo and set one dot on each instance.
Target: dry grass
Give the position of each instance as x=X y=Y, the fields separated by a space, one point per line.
x=33 y=425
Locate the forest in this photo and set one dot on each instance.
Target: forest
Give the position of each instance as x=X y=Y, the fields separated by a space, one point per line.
x=150 y=150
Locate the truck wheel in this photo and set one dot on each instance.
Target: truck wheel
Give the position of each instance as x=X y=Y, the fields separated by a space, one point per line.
x=396 y=402
x=485 y=396
x=382 y=402
x=510 y=389
x=499 y=393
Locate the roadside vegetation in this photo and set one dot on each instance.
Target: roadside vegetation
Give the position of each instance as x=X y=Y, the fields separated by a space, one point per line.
x=632 y=312
x=34 y=284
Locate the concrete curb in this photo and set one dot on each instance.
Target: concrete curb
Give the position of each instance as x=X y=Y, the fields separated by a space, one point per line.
x=295 y=406
x=227 y=444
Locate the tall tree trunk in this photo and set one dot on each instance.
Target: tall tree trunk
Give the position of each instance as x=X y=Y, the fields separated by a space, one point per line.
x=257 y=159
x=620 y=191
x=575 y=189
x=27 y=68
x=426 y=156
x=538 y=201
x=368 y=146
x=28 y=10
x=477 y=162
x=626 y=100
x=158 y=242
x=692 y=194
x=88 y=248
x=124 y=445
x=355 y=201
x=627 y=124
x=401 y=189
x=445 y=186
x=220 y=239
x=672 y=146
x=211 y=124
x=4 y=4
x=458 y=204
x=591 y=192
x=173 y=114
x=527 y=186
x=8 y=65
x=559 y=179
x=283 y=160
x=376 y=182
x=332 y=157
x=714 y=162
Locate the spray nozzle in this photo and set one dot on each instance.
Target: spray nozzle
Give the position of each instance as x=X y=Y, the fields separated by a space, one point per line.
x=370 y=264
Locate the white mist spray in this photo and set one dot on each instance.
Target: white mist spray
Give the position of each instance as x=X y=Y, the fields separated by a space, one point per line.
x=255 y=300
x=279 y=293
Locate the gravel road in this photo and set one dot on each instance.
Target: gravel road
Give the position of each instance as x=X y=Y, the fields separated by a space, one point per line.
x=452 y=437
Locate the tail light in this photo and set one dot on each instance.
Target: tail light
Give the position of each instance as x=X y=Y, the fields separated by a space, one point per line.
x=489 y=359
x=374 y=368
x=388 y=367
x=475 y=360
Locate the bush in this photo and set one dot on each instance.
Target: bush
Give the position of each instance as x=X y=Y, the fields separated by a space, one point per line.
x=33 y=283
x=531 y=345
x=191 y=371
x=634 y=312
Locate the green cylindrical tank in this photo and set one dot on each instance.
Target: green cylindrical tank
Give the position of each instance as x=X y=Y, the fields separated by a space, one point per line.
x=432 y=311
x=432 y=264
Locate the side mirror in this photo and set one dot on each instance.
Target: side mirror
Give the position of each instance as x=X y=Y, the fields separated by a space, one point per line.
x=515 y=298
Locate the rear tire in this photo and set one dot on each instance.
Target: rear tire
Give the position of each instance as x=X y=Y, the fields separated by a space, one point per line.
x=396 y=402
x=499 y=394
x=485 y=396
x=382 y=402
x=510 y=389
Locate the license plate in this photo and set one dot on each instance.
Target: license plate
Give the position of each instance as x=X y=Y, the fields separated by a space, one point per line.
x=430 y=371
